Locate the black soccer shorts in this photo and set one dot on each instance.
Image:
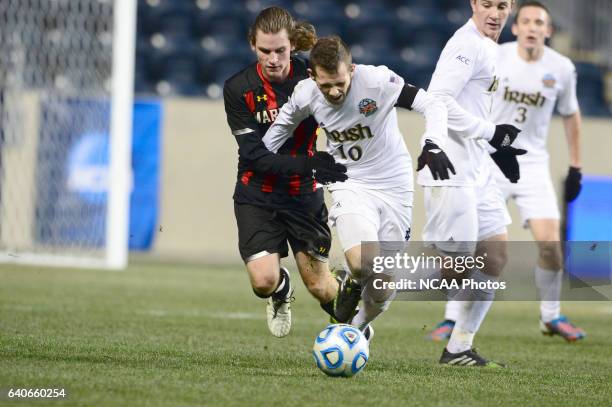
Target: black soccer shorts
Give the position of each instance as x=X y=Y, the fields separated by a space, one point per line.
x=264 y=230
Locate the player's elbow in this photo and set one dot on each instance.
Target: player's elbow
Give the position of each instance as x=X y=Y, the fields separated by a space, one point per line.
x=444 y=98
x=439 y=106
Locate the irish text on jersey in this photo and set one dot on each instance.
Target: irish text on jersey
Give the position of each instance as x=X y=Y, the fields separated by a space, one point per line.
x=355 y=133
x=529 y=99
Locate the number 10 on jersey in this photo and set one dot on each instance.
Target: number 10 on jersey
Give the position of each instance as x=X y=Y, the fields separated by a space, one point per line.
x=354 y=152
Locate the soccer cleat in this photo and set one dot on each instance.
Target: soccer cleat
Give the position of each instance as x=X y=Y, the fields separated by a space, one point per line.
x=562 y=327
x=278 y=312
x=349 y=294
x=467 y=358
x=368 y=332
x=442 y=331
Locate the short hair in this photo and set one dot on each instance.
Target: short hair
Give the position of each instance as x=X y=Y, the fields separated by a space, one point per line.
x=532 y=3
x=328 y=53
x=275 y=19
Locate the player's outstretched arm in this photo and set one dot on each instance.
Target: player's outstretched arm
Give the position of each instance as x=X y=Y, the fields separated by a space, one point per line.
x=250 y=146
x=436 y=130
x=432 y=108
x=456 y=67
x=322 y=165
x=289 y=118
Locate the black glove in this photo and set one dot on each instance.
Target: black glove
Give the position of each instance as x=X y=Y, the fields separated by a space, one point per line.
x=505 y=158
x=572 y=184
x=505 y=134
x=324 y=169
x=436 y=160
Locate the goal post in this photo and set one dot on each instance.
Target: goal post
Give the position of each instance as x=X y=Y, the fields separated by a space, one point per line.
x=66 y=101
x=121 y=133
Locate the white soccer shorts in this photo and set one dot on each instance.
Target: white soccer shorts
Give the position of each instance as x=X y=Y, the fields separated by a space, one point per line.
x=386 y=215
x=458 y=217
x=534 y=193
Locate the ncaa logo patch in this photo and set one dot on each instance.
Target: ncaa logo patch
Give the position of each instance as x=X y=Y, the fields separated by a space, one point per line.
x=549 y=80
x=367 y=107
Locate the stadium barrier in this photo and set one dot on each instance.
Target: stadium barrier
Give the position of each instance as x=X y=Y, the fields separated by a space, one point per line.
x=199 y=171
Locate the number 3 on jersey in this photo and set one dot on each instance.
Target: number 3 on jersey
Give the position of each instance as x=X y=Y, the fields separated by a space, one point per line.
x=522 y=115
x=354 y=152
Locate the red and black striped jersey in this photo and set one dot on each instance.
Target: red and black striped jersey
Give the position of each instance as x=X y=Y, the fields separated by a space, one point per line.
x=252 y=104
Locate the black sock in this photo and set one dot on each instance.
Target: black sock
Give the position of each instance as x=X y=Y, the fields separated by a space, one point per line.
x=329 y=308
x=283 y=282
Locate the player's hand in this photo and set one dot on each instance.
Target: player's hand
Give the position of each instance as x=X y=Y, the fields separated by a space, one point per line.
x=324 y=169
x=437 y=161
x=505 y=158
x=504 y=136
x=573 y=184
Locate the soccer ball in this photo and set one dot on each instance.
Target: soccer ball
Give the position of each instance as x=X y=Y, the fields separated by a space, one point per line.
x=341 y=350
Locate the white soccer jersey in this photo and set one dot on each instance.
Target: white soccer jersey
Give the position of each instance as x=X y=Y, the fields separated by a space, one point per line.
x=465 y=80
x=527 y=94
x=362 y=133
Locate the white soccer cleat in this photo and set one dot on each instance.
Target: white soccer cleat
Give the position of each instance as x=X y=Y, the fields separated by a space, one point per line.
x=278 y=312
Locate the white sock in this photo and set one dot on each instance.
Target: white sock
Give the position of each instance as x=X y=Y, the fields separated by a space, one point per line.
x=472 y=314
x=453 y=309
x=460 y=340
x=548 y=283
x=368 y=312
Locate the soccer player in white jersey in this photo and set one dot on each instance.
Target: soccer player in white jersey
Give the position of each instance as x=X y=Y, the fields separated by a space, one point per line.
x=533 y=78
x=468 y=212
x=354 y=106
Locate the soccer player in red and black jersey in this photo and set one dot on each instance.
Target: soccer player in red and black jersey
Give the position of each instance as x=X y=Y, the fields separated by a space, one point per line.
x=276 y=199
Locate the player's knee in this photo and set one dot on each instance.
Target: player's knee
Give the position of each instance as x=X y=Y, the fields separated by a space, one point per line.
x=264 y=284
x=495 y=262
x=550 y=254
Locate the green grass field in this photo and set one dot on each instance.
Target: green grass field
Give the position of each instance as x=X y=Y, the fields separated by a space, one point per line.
x=184 y=335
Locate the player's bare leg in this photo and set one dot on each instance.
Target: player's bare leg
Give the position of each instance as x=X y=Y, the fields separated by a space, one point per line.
x=477 y=304
x=452 y=309
x=374 y=301
x=335 y=295
x=317 y=277
x=548 y=276
x=353 y=230
x=271 y=281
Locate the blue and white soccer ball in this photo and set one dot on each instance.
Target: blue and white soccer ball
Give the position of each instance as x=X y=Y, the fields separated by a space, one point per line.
x=341 y=350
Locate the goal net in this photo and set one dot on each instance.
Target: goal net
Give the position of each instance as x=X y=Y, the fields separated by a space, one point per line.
x=66 y=74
